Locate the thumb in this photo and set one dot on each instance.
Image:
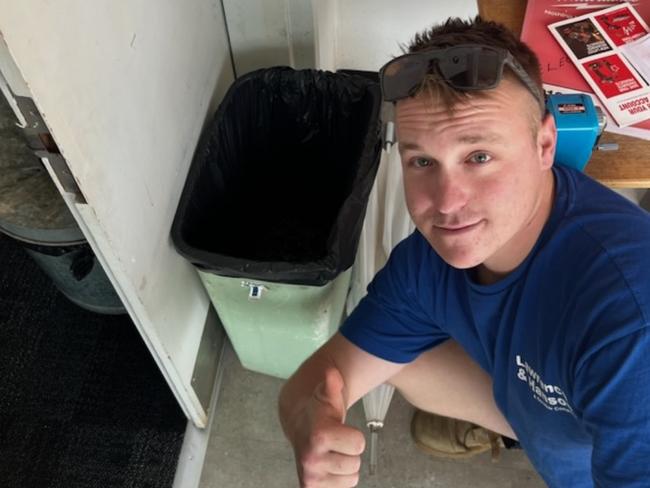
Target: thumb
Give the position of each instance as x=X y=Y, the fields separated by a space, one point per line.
x=330 y=392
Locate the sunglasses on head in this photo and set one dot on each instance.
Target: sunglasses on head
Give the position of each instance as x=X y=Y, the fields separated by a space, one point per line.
x=464 y=67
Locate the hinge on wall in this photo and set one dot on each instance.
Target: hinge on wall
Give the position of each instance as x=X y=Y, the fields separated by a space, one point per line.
x=41 y=142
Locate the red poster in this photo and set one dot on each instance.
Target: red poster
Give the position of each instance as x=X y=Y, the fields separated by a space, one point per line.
x=557 y=68
x=621 y=26
x=611 y=75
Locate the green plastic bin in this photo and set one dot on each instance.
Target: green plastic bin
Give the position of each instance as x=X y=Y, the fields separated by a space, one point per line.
x=274 y=327
x=273 y=206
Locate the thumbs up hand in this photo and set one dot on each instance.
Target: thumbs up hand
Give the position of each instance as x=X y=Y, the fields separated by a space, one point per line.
x=328 y=452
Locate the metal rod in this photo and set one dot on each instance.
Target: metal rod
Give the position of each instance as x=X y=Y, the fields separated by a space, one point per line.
x=373 y=451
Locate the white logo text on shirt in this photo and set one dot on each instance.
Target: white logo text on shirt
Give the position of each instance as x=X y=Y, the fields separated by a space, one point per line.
x=551 y=396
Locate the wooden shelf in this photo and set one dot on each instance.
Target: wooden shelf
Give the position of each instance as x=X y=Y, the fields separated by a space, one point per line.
x=629 y=167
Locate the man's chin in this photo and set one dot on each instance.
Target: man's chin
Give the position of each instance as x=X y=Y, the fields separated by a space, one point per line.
x=461 y=263
x=458 y=258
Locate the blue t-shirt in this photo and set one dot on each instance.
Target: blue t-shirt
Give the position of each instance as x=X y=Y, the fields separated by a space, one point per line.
x=564 y=337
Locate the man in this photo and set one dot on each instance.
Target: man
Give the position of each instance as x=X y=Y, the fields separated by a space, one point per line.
x=520 y=303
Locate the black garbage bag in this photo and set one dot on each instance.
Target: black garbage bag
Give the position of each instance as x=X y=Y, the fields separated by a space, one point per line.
x=280 y=180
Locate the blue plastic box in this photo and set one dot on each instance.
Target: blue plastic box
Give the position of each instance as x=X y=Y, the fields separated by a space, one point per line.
x=577 y=128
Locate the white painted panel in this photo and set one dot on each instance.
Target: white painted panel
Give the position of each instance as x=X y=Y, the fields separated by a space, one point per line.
x=124 y=87
x=301 y=25
x=364 y=34
x=270 y=33
x=11 y=82
x=10 y=72
x=325 y=32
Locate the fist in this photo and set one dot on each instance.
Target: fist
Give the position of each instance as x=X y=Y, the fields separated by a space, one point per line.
x=328 y=453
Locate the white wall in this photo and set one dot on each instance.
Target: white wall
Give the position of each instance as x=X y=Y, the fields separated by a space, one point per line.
x=270 y=33
x=329 y=34
x=364 y=34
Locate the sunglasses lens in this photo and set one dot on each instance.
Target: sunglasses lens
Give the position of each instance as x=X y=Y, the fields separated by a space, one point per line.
x=472 y=68
x=401 y=76
x=468 y=67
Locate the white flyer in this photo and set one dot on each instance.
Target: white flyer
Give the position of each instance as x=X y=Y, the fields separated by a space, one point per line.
x=638 y=54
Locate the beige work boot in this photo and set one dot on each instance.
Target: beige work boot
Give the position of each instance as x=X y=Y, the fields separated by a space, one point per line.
x=451 y=438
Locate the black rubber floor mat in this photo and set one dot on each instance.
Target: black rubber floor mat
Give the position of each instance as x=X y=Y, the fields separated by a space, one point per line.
x=82 y=403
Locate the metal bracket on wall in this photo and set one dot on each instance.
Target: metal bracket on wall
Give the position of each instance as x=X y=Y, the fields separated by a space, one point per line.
x=41 y=142
x=33 y=121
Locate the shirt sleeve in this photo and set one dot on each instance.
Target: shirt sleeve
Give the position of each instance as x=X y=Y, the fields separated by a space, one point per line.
x=615 y=404
x=394 y=320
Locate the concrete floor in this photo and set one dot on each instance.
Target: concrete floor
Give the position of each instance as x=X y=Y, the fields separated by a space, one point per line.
x=246 y=448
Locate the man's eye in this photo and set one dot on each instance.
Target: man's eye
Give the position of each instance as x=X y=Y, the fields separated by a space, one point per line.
x=420 y=162
x=480 y=158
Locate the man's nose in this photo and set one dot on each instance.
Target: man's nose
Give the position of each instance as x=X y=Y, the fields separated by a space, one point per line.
x=450 y=193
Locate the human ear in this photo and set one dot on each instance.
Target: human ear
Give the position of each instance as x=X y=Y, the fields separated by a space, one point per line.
x=546 y=140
